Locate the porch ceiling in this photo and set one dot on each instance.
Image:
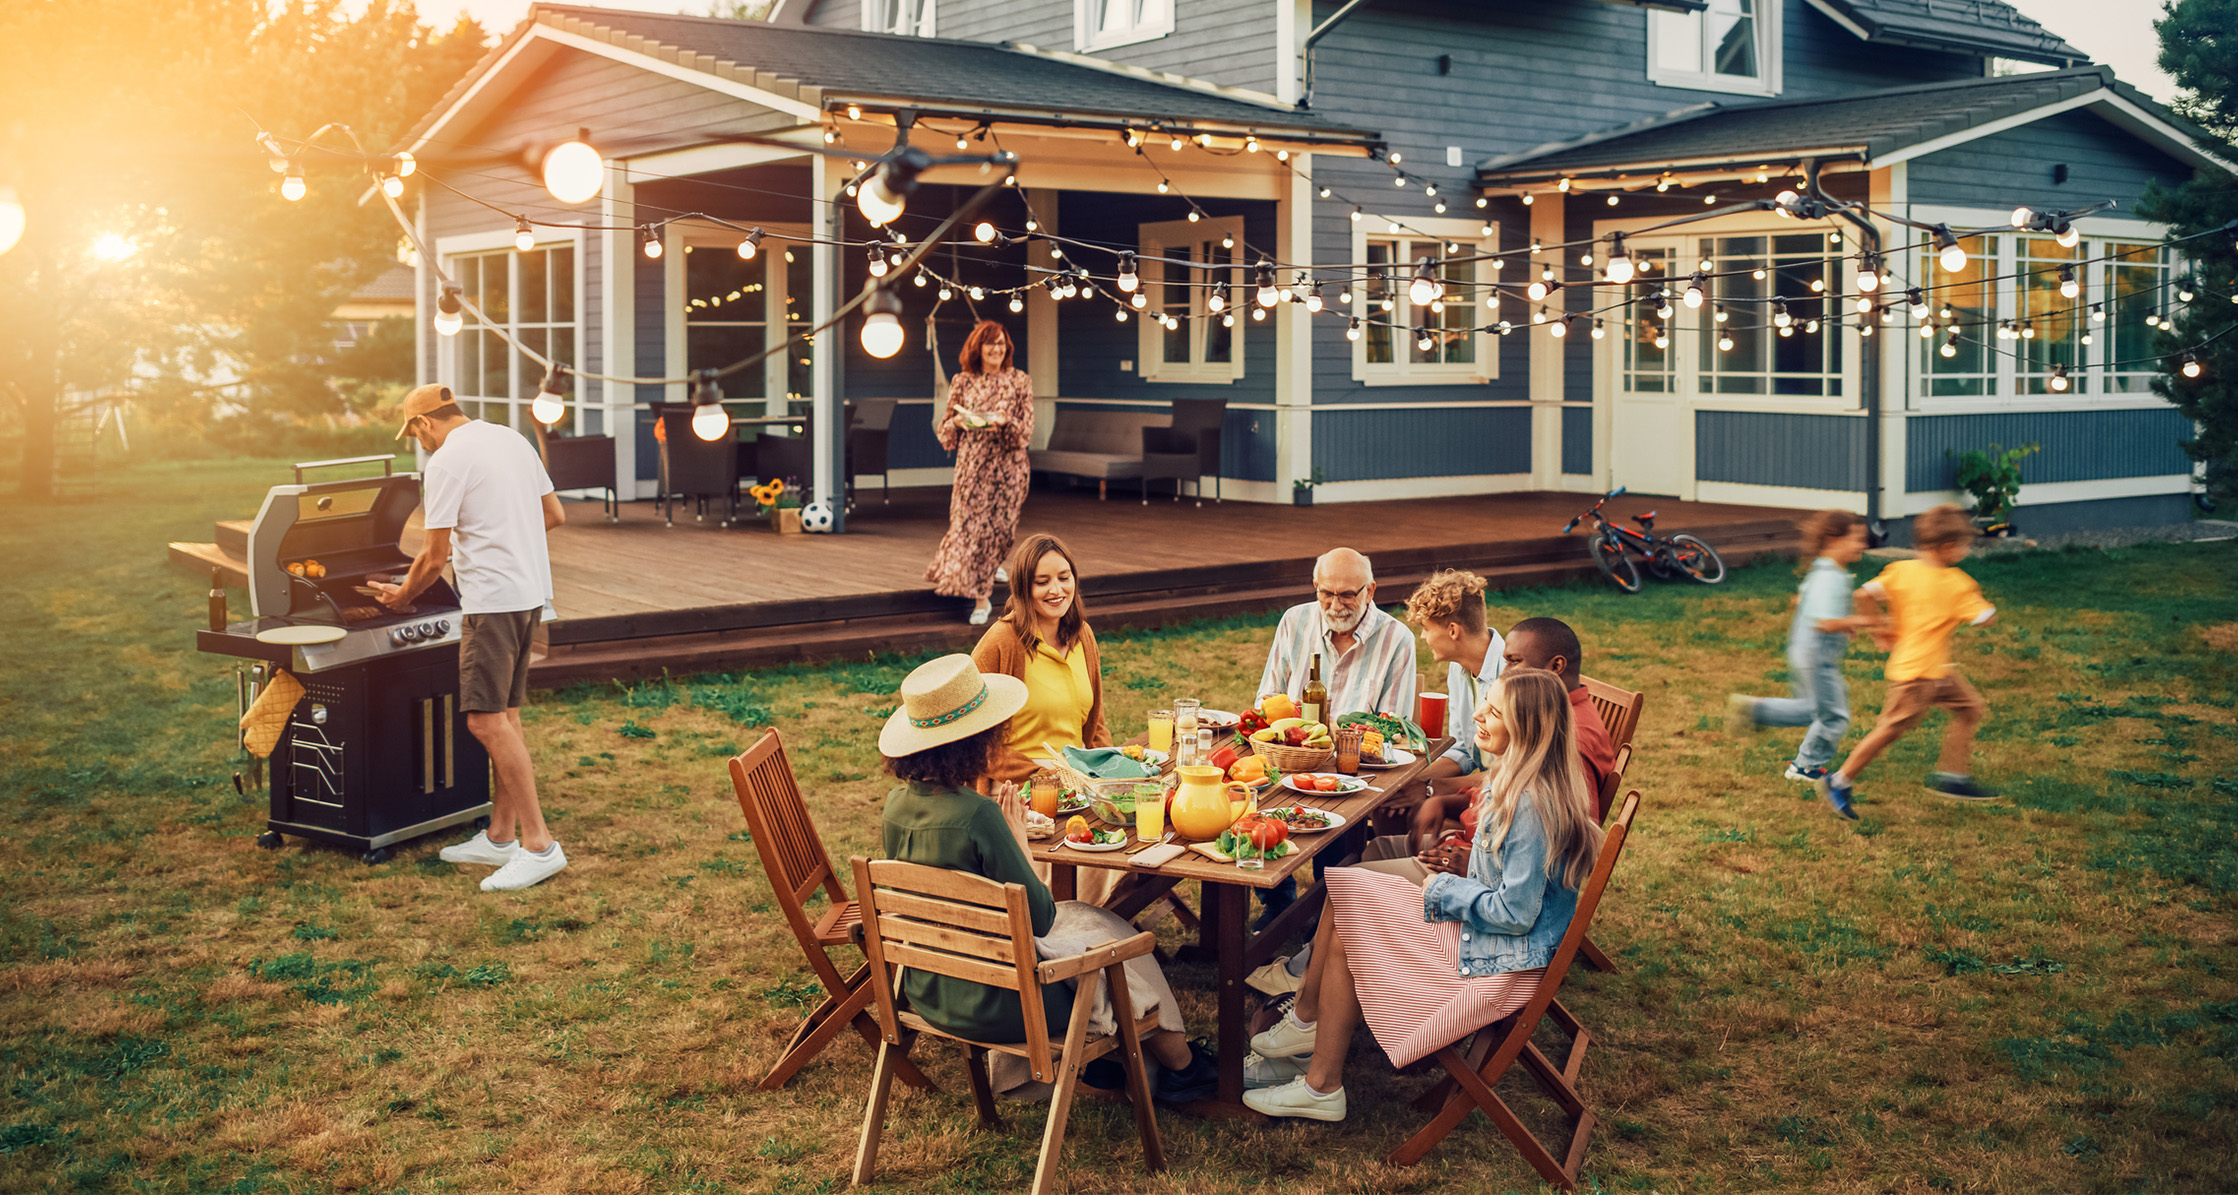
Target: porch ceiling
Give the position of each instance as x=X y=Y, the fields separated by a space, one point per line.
x=1870 y=129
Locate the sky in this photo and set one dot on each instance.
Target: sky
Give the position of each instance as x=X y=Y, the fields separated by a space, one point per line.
x=2117 y=33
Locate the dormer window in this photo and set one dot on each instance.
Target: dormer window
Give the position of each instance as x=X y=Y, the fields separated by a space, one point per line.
x=910 y=18
x=1733 y=46
x=1102 y=24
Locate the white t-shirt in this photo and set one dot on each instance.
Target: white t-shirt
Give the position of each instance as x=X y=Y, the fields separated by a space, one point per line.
x=487 y=485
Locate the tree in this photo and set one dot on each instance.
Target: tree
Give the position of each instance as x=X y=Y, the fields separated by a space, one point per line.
x=159 y=261
x=2199 y=47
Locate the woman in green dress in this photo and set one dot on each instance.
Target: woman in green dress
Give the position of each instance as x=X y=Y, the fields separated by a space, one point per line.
x=939 y=744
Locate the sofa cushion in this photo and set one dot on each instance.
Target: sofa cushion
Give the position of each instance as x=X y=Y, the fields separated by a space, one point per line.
x=1103 y=466
x=1111 y=432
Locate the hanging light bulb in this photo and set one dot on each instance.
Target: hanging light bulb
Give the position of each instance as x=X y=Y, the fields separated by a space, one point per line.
x=2028 y=330
x=882 y=331
x=1352 y=330
x=1865 y=328
x=1621 y=269
x=1128 y=278
x=1492 y=299
x=1528 y=200
x=1950 y=346
x=1949 y=253
x=1138 y=300
x=1780 y=317
x=877 y=263
x=1424 y=287
x=947 y=292
x=1869 y=273
x=1541 y=288
x=1266 y=294
x=1561 y=327
x=2059 y=378
x=1784 y=203
x=573 y=172
x=649 y=241
x=2183 y=289
x=1216 y=299
x=1927 y=330
x=2068 y=287
x=1251 y=143
x=2022 y=215
x=11 y=218
x=2152 y=318
x=1695 y=287
x=1719 y=313
x=2190 y=366
x=1811 y=327
x=1662 y=338
x=551 y=397
x=524 y=238
x=1120 y=314
x=2067 y=235
x=1916 y=299
x=1032 y=225
x=983 y=232
x=750 y=246
x=404 y=164
x=978 y=293
x=2098 y=313
x=1259 y=313
x=1344 y=296
x=1195 y=216
x=1017 y=304
x=1422 y=339
x=1818 y=286
x=882 y=197
x=1663 y=309
x=1724 y=341
x=291 y=187
x=1325 y=192
x=710 y=422
x=449 y=312
x=392 y=186
x=1313 y=300
x=1563 y=186
x=1599 y=331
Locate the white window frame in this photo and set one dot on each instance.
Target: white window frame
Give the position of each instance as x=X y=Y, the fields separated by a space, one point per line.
x=1155 y=21
x=2088 y=390
x=1662 y=26
x=450 y=251
x=912 y=18
x=1155 y=241
x=691 y=236
x=1421 y=232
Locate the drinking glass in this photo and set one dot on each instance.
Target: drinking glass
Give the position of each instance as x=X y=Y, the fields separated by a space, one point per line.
x=1161 y=731
x=1429 y=713
x=1044 y=794
x=1185 y=717
x=1150 y=816
x=1250 y=858
x=1348 y=749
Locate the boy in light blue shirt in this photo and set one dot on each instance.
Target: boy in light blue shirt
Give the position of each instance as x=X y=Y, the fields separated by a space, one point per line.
x=1816 y=643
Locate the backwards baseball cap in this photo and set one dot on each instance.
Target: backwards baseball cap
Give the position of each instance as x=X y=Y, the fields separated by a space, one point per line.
x=422 y=400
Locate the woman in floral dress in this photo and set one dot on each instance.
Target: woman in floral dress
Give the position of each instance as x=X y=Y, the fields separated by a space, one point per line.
x=988 y=423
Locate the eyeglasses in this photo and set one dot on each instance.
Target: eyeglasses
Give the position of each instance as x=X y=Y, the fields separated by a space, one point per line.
x=1338 y=595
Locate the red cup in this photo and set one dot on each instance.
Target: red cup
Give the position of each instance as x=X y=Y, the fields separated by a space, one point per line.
x=1429 y=713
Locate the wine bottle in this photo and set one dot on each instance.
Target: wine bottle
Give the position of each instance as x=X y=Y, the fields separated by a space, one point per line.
x=1315 y=707
x=217 y=600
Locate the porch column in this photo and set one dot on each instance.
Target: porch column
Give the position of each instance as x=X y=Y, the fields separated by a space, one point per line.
x=1547 y=364
x=617 y=250
x=828 y=440
x=1899 y=353
x=1293 y=336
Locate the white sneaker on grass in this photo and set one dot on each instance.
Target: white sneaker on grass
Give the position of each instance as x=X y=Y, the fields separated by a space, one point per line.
x=1271 y=1072
x=526 y=868
x=1296 y=1099
x=1287 y=1039
x=479 y=849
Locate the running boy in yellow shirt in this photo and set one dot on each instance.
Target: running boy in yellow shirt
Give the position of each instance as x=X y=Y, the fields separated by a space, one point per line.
x=1927 y=599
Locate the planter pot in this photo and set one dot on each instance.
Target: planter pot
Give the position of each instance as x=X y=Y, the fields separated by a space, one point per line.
x=786 y=520
x=1301 y=497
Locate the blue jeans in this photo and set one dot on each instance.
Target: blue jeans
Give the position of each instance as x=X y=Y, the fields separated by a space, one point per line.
x=1821 y=700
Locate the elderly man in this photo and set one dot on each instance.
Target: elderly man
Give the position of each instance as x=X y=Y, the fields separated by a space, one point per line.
x=1367 y=656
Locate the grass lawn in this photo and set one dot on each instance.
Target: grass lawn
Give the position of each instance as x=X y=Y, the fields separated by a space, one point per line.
x=2038 y=996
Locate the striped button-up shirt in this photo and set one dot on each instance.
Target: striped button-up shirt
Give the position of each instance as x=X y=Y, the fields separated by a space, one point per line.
x=1375 y=676
x=1462 y=692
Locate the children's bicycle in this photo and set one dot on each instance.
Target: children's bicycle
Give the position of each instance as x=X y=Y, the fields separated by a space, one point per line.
x=1613 y=546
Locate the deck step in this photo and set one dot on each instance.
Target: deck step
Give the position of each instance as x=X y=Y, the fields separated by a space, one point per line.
x=201 y=558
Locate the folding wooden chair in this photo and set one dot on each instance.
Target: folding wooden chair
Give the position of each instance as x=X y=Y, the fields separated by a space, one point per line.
x=1474 y=1070
x=969 y=927
x=1620 y=713
x=793 y=855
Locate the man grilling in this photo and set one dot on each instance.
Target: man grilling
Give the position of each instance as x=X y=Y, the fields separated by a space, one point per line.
x=488 y=503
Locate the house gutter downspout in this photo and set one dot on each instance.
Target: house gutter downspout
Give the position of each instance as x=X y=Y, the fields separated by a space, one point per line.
x=1869 y=369
x=1305 y=97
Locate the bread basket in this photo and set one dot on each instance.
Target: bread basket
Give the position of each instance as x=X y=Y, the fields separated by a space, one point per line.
x=1292 y=759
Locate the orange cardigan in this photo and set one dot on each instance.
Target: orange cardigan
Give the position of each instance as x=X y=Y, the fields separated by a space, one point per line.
x=1001 y=650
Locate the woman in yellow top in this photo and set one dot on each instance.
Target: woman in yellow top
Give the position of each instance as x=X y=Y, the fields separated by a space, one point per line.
x=1043 y=639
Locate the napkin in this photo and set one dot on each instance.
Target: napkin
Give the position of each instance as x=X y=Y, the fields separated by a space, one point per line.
x=1106 y=763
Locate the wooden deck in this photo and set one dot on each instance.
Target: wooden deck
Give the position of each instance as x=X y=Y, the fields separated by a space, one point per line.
x=637 y=597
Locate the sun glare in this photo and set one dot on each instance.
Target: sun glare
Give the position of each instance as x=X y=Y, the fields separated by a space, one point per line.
x=110 y=246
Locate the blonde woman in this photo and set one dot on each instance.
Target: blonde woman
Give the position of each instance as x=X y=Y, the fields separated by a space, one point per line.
x=1465 y=946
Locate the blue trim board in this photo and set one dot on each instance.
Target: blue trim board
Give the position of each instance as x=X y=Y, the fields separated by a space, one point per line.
x=1812 y=452
x=2077 y=445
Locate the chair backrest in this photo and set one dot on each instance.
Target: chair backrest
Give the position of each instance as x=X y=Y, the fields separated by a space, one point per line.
x=1095 y=430
x=1588 y=900
x=792 y=851
x=695 y=466
x=953 y=923
x=874 y=414
x=580 y=462
x=1613 y=783
x=1619 y=709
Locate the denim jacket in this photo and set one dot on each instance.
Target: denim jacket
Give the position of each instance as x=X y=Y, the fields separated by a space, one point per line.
x=1512 y=913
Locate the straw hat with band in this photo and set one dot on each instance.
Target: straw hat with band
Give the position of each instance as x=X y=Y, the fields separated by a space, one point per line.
x=422 y=400
x=945 y=700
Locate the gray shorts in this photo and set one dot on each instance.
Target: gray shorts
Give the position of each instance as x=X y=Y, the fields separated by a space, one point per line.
x=493 y=660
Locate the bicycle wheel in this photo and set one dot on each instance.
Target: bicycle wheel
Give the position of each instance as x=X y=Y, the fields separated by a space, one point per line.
x=1610 y=558
x=1697 y=559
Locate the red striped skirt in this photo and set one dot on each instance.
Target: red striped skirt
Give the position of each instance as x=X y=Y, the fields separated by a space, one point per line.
x=1406 y=971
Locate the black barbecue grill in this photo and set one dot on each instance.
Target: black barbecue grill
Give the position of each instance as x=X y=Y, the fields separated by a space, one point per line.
x=377 y=751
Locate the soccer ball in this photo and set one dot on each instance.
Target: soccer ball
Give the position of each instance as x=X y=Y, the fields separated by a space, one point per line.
x=815 y=518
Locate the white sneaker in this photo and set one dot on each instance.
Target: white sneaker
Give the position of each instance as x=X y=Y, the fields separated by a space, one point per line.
x=526 y=868
x=1296 y=1099
x=479 y=849
x=1286 y=1040
x=1002 y=574
x=1274 y=978
x=979 y=615
x=1270 y=1072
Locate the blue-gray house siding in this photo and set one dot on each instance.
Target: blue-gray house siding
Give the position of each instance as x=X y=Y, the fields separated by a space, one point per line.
x=2015 y=166
x=1812 y=452
x=2076 y=445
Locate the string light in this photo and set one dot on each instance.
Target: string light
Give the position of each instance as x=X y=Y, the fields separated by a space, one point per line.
x=2059 y=378
x=291 y=187
x=1561 y=327
x=1352 y=330
x=1662 y=300
x=882 y=331
x=2067 y=235
x=551 y=397
x=2190 y=366
x=1869 y=273
x=649 y=241
x=2183 y=289
x=1780 y=316
x=1216 y=299
x=1128 y=278
x=1950 y=346
x=751 y=246
x=1621 y=269
x=1138 y=300
x=1424 y=288
x=11 y=218
x=2097 y=313
x=1694 y=288
x=1724 y=341
x=1422 y=340
x=1719 y=313
x=1017 y=304
x=710 y=422
x=1916 y=299
x=524 y=238
x=1662 y=338
x=392 y=186
x=1542 y=288
x=877 y=263
x=2068 y=287
x=449 y=312
x=1949 y=253
x=983 y=232
x=1599 y=331
x=1267 y=294
x=1259 y=313
x=919 y=279
x=403 y=164
x=1313 y=302
x=573 y=172
x=882 y=198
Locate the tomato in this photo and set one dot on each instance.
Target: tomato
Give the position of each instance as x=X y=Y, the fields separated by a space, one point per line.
x=1268 y=833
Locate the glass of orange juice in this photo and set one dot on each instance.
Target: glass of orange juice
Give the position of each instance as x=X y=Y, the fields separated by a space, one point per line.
x=1161 y=731
x=1150 y=813
x=1045 y=794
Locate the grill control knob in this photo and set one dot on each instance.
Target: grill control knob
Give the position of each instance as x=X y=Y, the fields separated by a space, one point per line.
x=398 y=636
x=442 y=626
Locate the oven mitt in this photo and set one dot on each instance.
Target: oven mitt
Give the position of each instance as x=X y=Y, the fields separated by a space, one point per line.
x=1106 y=763
x=267 y=718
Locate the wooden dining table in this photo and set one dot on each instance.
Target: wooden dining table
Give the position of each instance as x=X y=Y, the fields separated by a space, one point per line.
x=1226 y=934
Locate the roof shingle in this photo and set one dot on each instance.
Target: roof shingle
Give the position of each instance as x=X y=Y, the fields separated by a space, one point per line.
x=1989 y=27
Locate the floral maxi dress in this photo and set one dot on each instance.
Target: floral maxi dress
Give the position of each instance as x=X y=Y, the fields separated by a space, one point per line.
x=991 y=476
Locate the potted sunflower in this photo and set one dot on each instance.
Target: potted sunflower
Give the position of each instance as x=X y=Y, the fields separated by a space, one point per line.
x=779 y=498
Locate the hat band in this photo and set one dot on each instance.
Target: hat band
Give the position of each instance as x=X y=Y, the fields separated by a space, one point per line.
x=954 y=714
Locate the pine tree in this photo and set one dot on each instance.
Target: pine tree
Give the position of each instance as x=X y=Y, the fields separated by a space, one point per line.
x=2199 y=47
